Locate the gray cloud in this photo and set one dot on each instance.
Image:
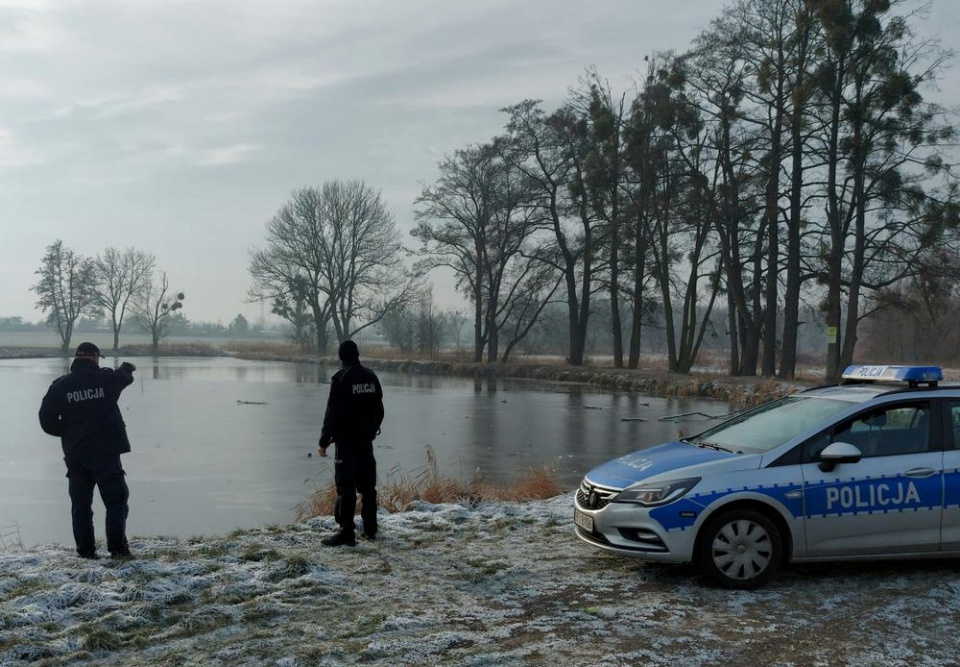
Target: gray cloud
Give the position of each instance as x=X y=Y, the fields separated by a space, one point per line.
x=180 y=127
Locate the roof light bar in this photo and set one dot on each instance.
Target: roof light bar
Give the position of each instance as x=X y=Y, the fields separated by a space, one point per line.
x=910 y=374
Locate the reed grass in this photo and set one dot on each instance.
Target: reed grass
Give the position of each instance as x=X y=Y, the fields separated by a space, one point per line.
x=401 y=490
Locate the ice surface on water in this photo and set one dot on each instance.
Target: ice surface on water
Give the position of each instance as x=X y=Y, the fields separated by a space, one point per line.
x=203 y=463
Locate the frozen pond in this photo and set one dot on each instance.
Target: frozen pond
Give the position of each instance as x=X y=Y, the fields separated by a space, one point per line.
x=204 y=462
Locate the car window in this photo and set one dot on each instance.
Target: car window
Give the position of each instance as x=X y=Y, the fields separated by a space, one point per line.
x=890 y=430
x=955 y=423
x=773 y=424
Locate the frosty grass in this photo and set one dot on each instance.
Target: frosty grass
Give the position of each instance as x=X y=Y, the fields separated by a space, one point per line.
x=497 y=584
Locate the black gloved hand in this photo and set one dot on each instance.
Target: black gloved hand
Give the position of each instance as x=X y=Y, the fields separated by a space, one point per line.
x=127 y=366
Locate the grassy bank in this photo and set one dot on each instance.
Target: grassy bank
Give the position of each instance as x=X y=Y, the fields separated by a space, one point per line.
x=652 y=381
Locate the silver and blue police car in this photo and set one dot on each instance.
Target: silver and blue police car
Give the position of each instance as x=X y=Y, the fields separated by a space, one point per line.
x=867 y=469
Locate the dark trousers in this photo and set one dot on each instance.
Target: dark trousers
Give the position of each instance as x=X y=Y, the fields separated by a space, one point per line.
x=355 y=471
x=108 y=476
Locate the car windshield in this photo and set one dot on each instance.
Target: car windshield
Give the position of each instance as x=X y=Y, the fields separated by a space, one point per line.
x=770 y=425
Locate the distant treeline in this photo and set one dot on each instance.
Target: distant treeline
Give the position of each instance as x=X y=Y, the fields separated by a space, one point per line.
x=178 y=325
x=19 y=324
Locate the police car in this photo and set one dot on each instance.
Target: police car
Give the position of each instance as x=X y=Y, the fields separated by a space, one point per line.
x=866 y=469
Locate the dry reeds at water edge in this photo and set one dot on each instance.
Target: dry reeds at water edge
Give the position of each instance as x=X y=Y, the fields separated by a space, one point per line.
x=426 y=483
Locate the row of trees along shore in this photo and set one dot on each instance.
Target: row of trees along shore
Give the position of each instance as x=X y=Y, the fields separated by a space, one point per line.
x=788 y=156
x=115 y=283
x=786 y=163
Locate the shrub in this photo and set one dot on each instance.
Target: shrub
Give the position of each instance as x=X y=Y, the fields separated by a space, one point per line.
x=402 y=489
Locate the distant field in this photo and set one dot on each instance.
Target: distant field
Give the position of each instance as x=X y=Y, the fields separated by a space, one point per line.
x=103 y=340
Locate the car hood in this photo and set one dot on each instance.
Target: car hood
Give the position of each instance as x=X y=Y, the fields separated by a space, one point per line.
x=669 y=458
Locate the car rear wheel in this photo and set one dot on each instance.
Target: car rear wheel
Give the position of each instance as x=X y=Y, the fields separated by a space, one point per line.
x=740 y=549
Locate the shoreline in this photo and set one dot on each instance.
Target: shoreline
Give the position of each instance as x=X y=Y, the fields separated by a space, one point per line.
x=742 y=391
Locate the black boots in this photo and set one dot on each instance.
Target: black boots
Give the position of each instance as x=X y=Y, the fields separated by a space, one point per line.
x=339 y=539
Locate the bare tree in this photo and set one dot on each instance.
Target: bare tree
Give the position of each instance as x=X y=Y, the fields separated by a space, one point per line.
x=363 y=257
x=416 y=326
x=431 y=326
x=453 y=225
x=882 y=145
x=155 y=308
x=66 y=289
x=337 y=249
x=121 y=277
x=295 y=310
x=648 y=146
x=533 y=286
x=287 y=272
x=606 y=168
x=455 y=320
x=552 y=150
x=480 y=220
x=399 y=328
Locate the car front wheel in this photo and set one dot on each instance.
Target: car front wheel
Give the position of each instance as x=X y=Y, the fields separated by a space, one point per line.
x=740 y=549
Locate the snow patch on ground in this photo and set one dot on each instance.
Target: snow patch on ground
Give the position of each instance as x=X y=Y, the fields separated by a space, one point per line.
x=496 y=584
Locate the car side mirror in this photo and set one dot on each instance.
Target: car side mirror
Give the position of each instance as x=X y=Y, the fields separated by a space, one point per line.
x=837 y=453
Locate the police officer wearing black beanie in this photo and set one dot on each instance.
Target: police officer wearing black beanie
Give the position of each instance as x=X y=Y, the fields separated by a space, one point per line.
x=81 y=409
x=352 y=421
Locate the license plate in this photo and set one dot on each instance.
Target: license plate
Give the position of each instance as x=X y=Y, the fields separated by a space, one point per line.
x=583 y=521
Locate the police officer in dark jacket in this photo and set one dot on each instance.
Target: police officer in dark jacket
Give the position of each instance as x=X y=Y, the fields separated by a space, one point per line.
x=352 y=421
x=81 y=409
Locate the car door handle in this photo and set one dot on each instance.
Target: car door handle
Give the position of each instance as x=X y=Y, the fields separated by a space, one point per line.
x=920 y=472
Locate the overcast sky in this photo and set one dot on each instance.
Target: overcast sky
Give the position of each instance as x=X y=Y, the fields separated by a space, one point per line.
x=180 y=127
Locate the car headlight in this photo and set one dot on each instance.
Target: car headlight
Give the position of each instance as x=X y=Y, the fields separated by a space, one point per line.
x=651 y=495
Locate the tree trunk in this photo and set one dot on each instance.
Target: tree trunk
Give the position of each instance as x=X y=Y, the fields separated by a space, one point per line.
x=732 y=332
x=493 y=336
x=575 y=355
x=116 y=334
x=68 y=334
x=751 y=350
x=586 y=286
x=696 y=340
x=834 y=275
x=772 y=214
x=833 y=309
x=322 y=341
x=320 y=327
x=791 y=298
x=750 y=354
x=477 y=326
x=668 y=321
x=640 y=250
x=615 y=322
x=859 y=250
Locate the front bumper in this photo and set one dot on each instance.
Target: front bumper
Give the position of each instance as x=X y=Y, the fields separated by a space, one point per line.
x=628 y=529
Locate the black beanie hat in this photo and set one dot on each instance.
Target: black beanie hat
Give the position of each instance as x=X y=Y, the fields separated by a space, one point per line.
x=87 y=350
x=348 y=351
